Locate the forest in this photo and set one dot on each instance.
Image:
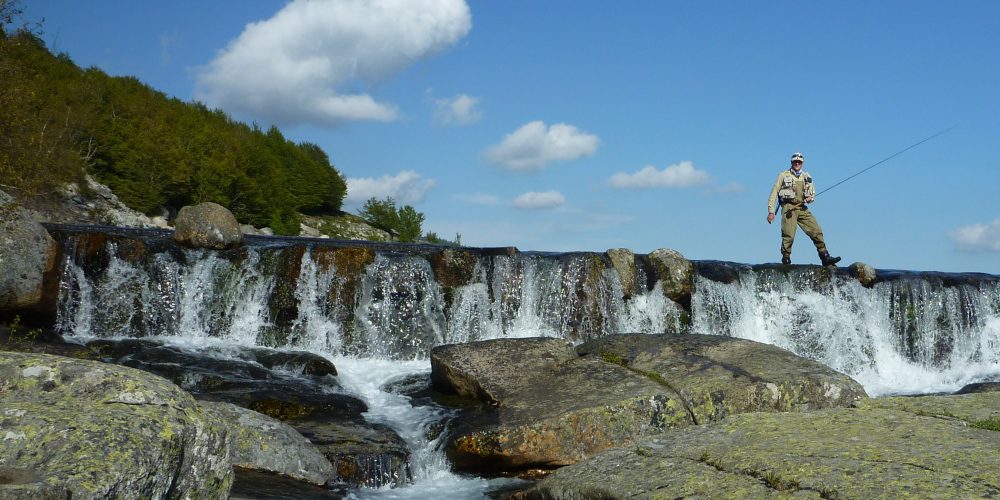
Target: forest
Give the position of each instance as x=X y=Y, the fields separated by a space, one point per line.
x=59 y=122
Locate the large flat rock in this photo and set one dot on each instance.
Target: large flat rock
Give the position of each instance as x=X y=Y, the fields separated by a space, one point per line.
x=867 y=452
x=719 y=376
x=545 y=406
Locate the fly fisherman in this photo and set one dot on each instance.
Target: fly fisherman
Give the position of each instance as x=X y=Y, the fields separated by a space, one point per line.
x=793 y=190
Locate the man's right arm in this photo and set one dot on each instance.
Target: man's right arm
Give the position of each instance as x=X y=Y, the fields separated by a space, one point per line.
x=773 y=199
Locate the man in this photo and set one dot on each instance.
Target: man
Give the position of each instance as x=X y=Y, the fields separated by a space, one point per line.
x=793 y=190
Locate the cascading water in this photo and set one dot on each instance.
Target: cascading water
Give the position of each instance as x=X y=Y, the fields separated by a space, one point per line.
x=903 y=336
x=378 y=331
x=378 y=320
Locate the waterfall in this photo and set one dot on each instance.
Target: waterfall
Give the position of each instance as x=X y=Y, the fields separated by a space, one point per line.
x=903 y=336
x=376 y=311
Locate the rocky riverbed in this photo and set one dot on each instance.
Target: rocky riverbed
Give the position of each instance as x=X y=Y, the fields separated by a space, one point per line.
x=593 y=414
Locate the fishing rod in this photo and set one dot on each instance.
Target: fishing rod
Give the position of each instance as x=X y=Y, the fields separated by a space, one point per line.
x=888 y=158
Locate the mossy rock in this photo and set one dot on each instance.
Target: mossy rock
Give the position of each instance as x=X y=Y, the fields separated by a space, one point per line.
x=454 y=267
x=720 y=376
x=969 y=408
x=835 y=453
x=102 y=431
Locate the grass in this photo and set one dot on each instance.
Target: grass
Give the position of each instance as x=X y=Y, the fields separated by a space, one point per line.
x=614 y=358
x=990 y=424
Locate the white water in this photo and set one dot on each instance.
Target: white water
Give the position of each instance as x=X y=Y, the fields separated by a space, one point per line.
x=860 y=331
x=432 y=475
x=400 y=312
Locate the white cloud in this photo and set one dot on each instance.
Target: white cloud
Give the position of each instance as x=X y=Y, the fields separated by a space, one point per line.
x=406 y=187
x=534 y=145
x=478 y=198
x=544 y=200
x=682 y=174
x=301 y=65
x=979 y=236
x=458 y=110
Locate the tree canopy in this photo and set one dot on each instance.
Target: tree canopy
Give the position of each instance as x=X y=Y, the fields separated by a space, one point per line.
x=59 y=122
x=403 y=222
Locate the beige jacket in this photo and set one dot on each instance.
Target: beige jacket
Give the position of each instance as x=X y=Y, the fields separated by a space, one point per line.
x=790 y=188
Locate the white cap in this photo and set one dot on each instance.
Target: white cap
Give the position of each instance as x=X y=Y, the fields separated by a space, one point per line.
x=798 y=156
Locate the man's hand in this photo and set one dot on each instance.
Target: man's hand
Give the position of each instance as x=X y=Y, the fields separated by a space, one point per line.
x=770 y=218
x=809 y=199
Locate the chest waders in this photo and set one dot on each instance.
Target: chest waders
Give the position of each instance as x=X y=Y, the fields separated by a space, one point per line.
x=794 y=216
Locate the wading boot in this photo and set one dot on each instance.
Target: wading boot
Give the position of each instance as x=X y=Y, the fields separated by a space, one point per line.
x=828 y=260
x=786 y=259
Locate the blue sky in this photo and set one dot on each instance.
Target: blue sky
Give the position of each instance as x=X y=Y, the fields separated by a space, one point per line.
x=585 y=125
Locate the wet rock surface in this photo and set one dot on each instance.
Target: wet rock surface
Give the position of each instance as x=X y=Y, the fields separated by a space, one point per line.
x=141 y=436
x=362 y=454
x=979 y=387
x=257 y=485
x=297 y=388
x=885 y=448
x=865 y=273
x=543 y=406
x=623 y=262
x=675 y=272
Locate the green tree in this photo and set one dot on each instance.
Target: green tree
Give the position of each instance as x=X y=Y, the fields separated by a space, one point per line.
x=38 y=132
x=404 y=223
x=58 y=123
x=409 y=224
x=381 y=214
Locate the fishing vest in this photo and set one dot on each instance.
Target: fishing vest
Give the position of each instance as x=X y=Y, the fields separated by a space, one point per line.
x=795 y=189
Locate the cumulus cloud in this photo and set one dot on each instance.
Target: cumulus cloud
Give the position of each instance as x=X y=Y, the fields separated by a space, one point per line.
x=978 y=236
x=301 y=65
x=458 y=110
x=534 y=145
x=406 y=187
x=682 y=174
x=545 y=200
x=478 y=198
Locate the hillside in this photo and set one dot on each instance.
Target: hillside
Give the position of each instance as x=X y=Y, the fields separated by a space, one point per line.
x=59 y=123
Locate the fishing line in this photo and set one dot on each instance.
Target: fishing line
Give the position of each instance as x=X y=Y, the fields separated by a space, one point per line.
x=888 y=158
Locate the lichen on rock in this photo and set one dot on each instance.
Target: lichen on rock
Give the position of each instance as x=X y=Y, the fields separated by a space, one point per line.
x=867 y=452
x=104 y=431
x=719 y=376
